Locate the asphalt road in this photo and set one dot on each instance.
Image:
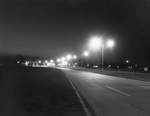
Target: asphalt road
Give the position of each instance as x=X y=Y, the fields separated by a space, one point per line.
x=110 y=95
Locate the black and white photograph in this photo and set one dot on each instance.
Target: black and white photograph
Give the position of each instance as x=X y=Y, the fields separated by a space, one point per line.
x=74 y=57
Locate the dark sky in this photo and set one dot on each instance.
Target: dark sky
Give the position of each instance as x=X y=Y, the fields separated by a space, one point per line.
x=53 y=28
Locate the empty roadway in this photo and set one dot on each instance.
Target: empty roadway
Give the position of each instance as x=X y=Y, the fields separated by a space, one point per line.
x=110 y=95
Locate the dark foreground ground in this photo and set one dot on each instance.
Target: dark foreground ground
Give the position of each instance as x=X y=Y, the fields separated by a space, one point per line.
x=28 y=91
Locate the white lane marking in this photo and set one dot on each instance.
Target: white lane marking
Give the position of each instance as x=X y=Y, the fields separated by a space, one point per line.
x=95 y=85
x=145 y=87
x=89 y=79
x=110 y=78
x=118 y=91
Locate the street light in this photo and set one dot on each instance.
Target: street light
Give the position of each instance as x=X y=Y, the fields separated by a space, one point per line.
x=110 y=43
x=74 y=57
x=58 y=60
x=86 y=53
x=69 y=57
x=62 y=59
x=51 y=60
x=96 y=43
x=127 y=61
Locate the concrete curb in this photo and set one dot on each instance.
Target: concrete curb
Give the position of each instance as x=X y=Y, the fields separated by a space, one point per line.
x=79 y=97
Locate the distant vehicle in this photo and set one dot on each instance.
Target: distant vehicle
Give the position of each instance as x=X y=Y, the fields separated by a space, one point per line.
x=95 y=66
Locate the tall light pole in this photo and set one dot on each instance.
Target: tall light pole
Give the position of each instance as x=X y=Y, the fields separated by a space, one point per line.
x=96 y=43
x=86 y=54
x=102 y=57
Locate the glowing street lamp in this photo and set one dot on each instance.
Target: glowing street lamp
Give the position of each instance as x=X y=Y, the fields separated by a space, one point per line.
x=96 y=43
x=39 y=61
x=127 y=61
x=69 y=57
x=86 y=53
x=62 y=59
x=110 y=43
x=74 y=57
x=51 y=60
x=26 y=63
x=58 y=60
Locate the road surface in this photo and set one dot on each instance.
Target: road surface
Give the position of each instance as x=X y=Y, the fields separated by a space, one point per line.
x=110 y=95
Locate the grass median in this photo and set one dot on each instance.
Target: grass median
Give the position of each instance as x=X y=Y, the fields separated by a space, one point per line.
x=28 y=91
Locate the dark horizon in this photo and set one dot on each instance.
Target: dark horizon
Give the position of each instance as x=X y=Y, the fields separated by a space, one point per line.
x=52 y=29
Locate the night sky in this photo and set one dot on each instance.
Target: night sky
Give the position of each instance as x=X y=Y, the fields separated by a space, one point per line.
x=54 y=28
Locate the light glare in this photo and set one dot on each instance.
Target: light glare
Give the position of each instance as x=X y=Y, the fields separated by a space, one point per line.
x=95 y=43
x=86 y=53
x=110 y=43
x=62 y=59
x=58 y=60
x=127 y=61
x=75 y=57
x=69 y=57
x=51 y=61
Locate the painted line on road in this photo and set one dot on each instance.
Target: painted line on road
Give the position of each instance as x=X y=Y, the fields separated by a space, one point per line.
x=118 y=91
x=89 y=79
x=145 y=87
x=109 y=78
x=95 y=85
x=79 y=97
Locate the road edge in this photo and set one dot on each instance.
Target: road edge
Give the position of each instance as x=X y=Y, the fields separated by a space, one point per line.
x=79 y=97
x=95 y=71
